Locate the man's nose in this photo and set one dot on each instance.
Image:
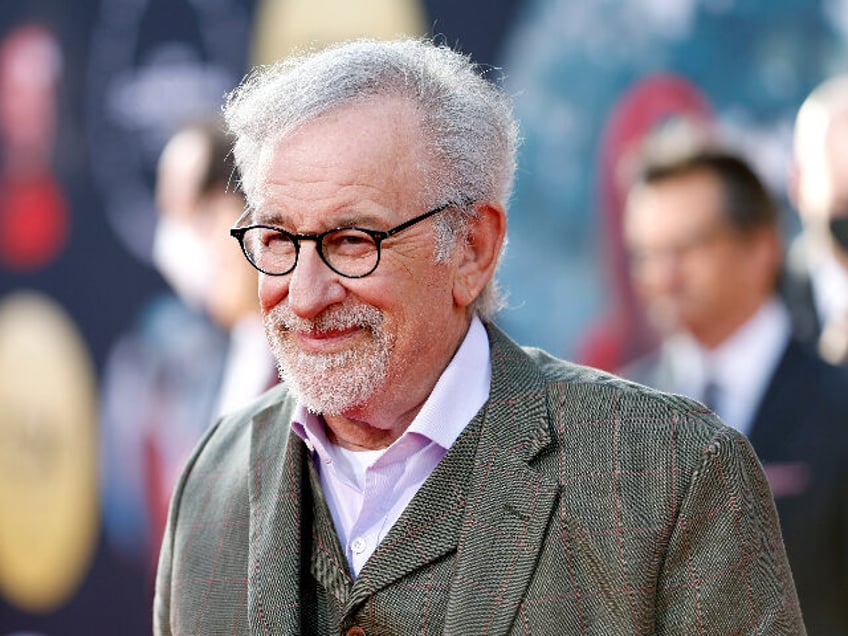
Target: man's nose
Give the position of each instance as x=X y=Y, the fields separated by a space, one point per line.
x=313 y=286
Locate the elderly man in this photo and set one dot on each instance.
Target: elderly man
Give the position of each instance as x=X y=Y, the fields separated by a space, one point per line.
x=417 y=471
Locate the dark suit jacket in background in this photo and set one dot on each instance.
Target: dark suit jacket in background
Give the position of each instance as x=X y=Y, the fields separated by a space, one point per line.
x=800 y=433
x=573 y=503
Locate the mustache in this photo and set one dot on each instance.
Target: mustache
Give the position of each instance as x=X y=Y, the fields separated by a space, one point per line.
x=337 y=318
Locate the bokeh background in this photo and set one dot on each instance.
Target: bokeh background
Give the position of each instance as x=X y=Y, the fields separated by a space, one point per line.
x=90 y=91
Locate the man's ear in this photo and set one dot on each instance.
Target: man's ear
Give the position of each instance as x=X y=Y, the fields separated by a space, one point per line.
x=478 y=252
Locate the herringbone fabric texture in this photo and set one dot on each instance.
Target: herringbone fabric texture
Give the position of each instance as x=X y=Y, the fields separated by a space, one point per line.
x=574 y=503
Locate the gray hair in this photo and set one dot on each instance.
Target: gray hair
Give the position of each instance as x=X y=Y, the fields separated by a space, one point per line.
x=465 y=120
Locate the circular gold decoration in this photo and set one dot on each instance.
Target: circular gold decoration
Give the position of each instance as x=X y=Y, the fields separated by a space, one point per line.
x=48 y=454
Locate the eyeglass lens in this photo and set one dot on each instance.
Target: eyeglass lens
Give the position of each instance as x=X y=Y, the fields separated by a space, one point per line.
x=349 y=252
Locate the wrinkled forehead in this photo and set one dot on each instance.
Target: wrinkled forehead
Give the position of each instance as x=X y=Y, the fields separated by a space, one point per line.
x=375 y=144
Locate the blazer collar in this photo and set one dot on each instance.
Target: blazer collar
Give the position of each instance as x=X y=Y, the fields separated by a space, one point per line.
x=518 y=403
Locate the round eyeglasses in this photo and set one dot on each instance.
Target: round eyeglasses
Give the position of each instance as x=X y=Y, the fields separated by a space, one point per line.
x=352 y=252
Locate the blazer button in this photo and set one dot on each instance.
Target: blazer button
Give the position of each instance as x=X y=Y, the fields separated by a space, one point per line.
x=355 y=631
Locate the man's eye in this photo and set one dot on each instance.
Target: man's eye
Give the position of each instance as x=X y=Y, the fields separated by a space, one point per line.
x=349 y=242
x=355 y=239
x=349 y=237
x=276 y=241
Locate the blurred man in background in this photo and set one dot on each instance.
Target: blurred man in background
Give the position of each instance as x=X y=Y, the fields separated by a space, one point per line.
x=706 y=255
x=193 y=356
x=817 y=281
x=199 y=198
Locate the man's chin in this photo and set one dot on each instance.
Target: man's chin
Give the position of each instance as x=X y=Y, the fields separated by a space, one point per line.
x=348 y=411
x=332 y=404
x=333 y=386
x=665 y=319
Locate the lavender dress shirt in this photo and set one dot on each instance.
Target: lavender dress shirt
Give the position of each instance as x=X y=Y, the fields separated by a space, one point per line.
x=368 y=490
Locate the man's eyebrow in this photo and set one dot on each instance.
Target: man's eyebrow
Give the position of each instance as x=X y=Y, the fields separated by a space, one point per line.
x=345 y=218
x=366 y=220
x=268 y=219
x=254 y=216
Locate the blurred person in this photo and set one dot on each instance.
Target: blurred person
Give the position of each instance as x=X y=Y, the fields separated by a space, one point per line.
x=621 y=333
x=817 y=282
x=706 y=255
x=417 y=471
x=193 y=356
x=199 y=196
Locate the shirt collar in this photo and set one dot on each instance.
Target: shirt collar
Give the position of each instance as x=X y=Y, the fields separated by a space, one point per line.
x=762 y=338
x=459 y=393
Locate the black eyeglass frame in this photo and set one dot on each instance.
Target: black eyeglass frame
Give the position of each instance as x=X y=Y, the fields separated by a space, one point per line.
x=377 y=235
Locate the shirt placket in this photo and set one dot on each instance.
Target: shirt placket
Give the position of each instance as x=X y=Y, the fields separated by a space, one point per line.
x=372 y=524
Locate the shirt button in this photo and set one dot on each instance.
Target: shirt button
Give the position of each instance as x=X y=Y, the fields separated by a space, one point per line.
x=309 y=445
x=357 y=546
x=356 y=631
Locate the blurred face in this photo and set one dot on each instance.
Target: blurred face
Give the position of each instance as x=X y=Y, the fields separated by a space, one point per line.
x=691 y=270
x=836 y=203
x=180 y=250
x=358 y=347
x=822 y=193
x=232 y=292
x=836 y=192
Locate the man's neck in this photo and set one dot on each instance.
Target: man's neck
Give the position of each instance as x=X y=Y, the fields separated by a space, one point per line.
x=390 y=412
x=359 y=435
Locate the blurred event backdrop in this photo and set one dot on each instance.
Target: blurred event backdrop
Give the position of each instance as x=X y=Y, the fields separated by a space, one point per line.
x=90 y=91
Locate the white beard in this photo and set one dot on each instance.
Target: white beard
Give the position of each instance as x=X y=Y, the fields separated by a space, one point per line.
x=332 y=383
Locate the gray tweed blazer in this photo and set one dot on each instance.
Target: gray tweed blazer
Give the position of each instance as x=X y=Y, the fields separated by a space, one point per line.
x=574 y=503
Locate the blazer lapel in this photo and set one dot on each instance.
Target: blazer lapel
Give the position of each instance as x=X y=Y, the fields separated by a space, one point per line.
x=509 y=504
x=782 y=417
x=777 y=417
x=328 y=563
x=276 y=489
